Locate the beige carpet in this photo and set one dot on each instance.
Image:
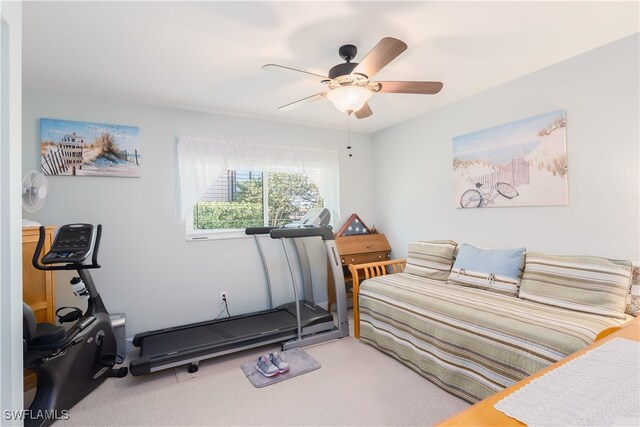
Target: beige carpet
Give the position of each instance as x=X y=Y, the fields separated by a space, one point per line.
x=356 y=385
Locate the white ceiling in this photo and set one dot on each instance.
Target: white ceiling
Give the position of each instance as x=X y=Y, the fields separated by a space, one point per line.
x=206 y=56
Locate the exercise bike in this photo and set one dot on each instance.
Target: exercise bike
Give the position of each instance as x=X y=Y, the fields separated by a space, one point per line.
x=69 y=364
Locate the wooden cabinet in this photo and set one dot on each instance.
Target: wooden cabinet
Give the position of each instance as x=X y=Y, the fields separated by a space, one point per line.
x=359 y=249
x=37 y=285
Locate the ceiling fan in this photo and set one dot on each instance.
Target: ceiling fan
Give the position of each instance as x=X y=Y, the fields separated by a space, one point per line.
x=350 y=84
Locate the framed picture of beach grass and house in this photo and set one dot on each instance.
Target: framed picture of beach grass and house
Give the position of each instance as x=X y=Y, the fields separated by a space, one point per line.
x=91 y=149
x=523 y=163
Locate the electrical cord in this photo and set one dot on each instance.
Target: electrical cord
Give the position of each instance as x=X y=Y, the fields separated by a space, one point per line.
x=226 y=308
x=219 y=314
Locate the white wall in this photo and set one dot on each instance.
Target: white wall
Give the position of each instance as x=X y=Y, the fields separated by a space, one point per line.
x=10 y=215
x=600 y=92
x=149 y=271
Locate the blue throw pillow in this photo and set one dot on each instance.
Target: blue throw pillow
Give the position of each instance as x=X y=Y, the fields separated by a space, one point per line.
x=497 y=270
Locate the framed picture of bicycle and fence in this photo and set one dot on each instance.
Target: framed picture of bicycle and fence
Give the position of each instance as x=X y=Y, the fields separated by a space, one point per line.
x=95 y=149
x=523 y=163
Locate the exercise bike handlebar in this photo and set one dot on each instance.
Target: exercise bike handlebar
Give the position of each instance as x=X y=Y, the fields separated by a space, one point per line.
x=307 y=231
x=73 y=266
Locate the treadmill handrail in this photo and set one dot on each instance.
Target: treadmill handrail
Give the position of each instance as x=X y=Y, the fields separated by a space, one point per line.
x=249 y=231
x=307 y=231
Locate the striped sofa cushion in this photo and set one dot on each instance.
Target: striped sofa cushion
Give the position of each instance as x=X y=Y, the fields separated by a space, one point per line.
x=495 y=270
x=468 y=341
x=583 y=283
x=431 y=259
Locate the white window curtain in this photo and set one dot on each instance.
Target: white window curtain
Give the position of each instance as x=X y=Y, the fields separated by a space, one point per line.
x=202 y=160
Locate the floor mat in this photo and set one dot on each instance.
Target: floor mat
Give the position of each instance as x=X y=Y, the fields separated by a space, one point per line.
x=299 y=363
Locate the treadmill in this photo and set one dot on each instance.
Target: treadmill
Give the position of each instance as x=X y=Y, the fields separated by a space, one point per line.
x=295 y=324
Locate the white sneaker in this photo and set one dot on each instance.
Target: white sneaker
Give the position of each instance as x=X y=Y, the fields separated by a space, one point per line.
x=265 y=367
x=276 y=359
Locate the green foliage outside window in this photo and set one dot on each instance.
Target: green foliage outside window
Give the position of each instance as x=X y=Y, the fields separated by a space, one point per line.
x=289 y=196
x=227 y=215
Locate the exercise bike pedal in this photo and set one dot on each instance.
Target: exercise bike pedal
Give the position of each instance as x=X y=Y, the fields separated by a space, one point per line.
x=109 y=360
x=118 y=373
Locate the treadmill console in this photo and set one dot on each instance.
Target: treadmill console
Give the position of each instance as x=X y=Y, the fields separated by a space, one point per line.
x=313 y=217
x=73 y=244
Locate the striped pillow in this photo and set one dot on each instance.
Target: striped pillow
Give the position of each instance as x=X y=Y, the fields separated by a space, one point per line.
x=582 y=283
x=431 y=259
x=495 y=270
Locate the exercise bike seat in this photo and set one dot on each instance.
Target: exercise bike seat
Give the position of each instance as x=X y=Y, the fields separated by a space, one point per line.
x=39 y=334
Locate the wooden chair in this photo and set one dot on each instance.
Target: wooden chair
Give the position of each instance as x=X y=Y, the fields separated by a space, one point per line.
x=366 y=271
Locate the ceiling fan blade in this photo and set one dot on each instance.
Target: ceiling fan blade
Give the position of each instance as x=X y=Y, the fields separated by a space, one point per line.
x=296 y=73
x=425 y=88
x=383 y=53
x=364 y=112
x=302 y=101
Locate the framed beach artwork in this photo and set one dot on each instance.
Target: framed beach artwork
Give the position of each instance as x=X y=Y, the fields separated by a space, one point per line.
x=523 y=163
x=92 y=149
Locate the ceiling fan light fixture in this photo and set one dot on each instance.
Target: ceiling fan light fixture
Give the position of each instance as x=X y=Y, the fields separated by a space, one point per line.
x=349 y=98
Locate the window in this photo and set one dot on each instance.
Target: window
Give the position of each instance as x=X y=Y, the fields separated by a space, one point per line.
x=241 y=199
x=253 y=185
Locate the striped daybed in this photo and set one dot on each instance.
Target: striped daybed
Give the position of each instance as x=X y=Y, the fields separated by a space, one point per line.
x=472 y=341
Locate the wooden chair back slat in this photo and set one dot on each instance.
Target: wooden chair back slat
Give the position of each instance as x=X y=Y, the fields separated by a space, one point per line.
x=370 y=270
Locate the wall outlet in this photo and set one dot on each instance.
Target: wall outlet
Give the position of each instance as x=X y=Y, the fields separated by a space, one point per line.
x=223 y=297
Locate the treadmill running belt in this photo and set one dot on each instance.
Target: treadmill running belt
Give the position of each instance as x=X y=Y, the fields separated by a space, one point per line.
x=219 y=332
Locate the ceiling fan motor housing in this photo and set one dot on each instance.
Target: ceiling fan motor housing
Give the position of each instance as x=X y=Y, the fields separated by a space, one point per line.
x=342 y=69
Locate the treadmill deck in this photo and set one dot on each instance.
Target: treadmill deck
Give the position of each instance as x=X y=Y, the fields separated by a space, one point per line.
x=219 y=332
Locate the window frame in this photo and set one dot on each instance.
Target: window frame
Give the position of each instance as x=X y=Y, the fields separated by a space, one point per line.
x=193 y=235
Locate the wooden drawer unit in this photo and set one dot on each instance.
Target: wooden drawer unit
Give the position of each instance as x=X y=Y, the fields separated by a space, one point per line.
x=365 y=258
x=357 y=250
x=359 y=245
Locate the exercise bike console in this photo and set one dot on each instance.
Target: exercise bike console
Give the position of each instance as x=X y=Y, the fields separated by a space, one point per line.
x=73 y=244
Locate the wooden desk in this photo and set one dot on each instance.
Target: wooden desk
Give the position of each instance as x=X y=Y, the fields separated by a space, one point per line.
x=359 y=249
x=484 y=414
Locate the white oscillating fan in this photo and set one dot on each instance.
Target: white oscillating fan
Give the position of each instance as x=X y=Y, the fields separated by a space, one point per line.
x=34 y=191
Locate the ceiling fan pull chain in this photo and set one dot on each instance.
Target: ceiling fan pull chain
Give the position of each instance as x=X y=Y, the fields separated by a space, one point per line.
x=349 y=133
